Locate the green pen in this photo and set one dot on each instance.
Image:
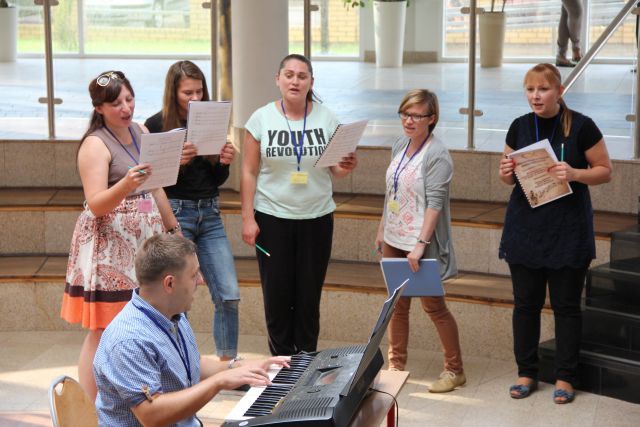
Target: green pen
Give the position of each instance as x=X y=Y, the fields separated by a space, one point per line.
x=562 y=152
x=139 y=171
x=262 y=250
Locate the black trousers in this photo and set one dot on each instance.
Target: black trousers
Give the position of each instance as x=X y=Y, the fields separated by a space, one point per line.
x=565 y=292
x=292 y=279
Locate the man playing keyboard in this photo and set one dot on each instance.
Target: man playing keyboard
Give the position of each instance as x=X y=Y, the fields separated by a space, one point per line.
x=147 y=367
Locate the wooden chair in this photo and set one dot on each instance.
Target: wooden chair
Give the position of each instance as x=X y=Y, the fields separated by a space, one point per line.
x=70 y=406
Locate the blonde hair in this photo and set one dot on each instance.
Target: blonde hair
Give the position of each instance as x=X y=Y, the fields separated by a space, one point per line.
x=422 y=97
x=551 y=75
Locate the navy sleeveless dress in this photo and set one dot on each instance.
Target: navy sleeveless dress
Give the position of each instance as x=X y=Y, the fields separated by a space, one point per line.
x=560 y=233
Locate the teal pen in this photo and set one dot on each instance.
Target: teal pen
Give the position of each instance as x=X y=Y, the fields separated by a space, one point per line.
x=562 y=152
x=262 y=250
x=141 y=170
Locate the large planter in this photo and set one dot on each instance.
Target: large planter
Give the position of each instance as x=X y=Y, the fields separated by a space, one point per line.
x=8 y=33
x=492 y=25
x=388 y=22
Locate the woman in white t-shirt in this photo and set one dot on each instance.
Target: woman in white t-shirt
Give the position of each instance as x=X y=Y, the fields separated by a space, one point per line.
x=416 y=224
x=287 y=205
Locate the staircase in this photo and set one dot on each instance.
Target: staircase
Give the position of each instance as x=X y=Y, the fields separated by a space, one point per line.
x=610 y=353
x=40 y=200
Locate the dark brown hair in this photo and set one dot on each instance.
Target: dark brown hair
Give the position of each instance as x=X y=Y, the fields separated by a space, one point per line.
x=422 y=97
x=552 y=76
x=311 y=96
x=170 y=107
x=104 y=94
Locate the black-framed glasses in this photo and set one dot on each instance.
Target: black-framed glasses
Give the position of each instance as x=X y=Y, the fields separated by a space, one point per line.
x=415 y=117
x=104 y=79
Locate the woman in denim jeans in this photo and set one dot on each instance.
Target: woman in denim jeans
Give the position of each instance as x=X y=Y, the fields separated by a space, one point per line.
x=194 y=200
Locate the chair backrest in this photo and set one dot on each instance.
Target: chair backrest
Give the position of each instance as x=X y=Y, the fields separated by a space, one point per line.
x=70 y=406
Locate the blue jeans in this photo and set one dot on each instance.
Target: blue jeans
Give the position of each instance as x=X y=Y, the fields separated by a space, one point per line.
x=200 y=221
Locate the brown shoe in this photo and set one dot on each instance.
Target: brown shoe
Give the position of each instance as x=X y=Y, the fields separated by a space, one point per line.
x=577 y=56
x=561 y=61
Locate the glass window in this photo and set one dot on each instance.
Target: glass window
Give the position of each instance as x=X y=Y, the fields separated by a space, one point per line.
x=334 y=29
x=146 y=27
x=622 y=43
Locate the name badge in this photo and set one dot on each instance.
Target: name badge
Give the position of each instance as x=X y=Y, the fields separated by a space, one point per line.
x=145 y=205
x=299 y=178
x=393 y=206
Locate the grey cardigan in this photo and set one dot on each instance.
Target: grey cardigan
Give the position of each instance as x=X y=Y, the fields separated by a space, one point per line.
x=437 y=170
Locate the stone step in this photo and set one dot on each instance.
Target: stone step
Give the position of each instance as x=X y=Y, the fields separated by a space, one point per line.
x=625 y=249
x=42 y=221
x=32 y=289
x=53 y=163
x=613 y=289
x=611 y=328
x=601 y=370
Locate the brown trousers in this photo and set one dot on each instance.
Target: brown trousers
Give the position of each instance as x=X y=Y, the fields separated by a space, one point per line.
x=439 y=314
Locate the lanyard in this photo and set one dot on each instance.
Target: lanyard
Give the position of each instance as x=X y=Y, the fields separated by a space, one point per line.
x=185 y=358
x=396 y=174
x=555 y=126
x=297 y=149
x=133 y=138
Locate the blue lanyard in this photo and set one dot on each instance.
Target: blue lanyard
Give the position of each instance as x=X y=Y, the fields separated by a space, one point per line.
x=185 y=358
x=297 y=149
x=555 y=126
x=396 y=174
x=133 y=138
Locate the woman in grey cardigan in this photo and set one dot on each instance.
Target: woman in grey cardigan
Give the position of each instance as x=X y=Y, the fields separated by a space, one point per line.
x=417 y=224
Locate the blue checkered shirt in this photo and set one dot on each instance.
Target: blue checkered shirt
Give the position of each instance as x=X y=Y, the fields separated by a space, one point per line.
x=133 y=354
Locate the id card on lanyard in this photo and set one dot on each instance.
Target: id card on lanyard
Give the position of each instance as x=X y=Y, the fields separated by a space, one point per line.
x=392 y=202
x=297 y=177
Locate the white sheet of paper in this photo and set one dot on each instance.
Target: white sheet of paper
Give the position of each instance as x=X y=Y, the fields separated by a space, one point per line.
x=344 y=141
x=207 y=125
x=162 y=151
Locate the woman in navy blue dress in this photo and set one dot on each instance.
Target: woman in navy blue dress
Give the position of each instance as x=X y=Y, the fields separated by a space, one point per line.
x=553 y=243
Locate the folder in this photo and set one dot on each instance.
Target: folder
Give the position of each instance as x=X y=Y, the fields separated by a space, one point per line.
x=426 y=282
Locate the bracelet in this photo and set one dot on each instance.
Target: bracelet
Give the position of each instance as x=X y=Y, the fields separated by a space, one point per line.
x=175 y=229
x=233 y=361
x=424 y=242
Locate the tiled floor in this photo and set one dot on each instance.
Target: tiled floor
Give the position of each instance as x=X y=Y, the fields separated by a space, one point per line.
x=354 y=90
x=29 y=361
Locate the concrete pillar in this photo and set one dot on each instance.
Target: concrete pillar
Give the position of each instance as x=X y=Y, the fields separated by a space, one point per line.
x=259 y=30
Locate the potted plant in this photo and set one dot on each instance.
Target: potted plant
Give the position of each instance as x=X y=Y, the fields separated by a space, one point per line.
x=492 y=28
x=8 y=32
x=389 y=18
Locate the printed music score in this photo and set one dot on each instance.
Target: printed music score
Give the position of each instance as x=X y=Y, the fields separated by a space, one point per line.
x=162 y=151
x=532 y=170
x=207 y=125
x=343 y=141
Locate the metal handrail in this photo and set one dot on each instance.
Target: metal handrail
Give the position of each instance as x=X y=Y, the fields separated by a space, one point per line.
x=50 y=99
x=595 y=48
x=593 y=51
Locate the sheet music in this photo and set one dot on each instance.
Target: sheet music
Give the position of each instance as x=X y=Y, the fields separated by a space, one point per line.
x=207 y=125
x=343 y=141
x=532 y=169
x=162 y=151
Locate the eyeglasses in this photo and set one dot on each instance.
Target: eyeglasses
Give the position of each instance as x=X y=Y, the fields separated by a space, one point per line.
x=415 y=117
x=104 y=79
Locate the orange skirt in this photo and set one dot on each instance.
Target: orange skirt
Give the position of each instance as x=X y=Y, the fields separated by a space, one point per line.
x=100 y=273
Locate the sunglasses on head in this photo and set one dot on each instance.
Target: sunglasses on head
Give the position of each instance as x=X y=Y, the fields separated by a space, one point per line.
x=104 y=79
